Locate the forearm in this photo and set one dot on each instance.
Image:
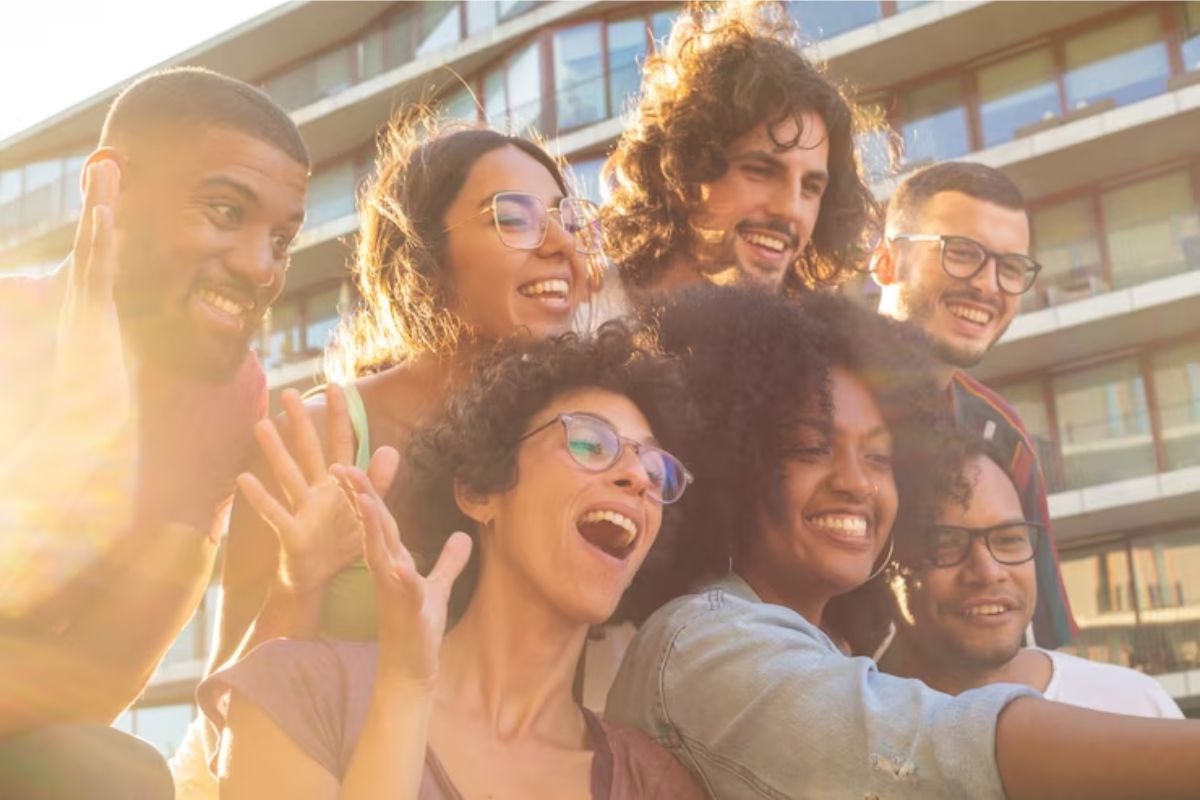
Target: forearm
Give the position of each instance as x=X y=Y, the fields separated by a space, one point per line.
x=294 y=615
x=389 y=758
x=1051 y=750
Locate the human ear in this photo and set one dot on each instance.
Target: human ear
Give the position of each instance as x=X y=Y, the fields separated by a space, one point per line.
x=478 y=506
x=883 y=264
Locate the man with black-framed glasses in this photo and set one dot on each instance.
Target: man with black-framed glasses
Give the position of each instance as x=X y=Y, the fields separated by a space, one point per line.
x=964 y=593
x=955 y=260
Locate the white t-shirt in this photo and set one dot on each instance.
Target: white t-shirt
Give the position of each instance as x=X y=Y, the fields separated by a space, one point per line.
x=1106 y=687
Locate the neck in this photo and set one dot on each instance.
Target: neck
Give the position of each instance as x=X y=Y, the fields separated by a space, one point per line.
x=906 y=659
x=808 y=604
x=943 y=372
x=511 y=660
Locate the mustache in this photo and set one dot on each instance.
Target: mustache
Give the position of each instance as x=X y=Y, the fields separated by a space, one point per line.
x=974 y=296
x=774 y=225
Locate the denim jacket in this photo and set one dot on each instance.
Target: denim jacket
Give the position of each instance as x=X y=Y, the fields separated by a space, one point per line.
x=759 y=703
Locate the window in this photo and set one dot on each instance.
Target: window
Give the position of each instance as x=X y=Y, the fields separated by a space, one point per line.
x=822 y=19
x=934 y=123
x=1167 y=573
x=1067 y=246
x=1153 y=229
x=660 y=24
x=524 y=89
x=626 y=52
x=878 y=146
x=322 y=313
x=282 y=338
x=10 y=195
x=1030 y=403
x=331 y=192
x=1191 y=36
x=1104 y=424
x=481 y=16
x=585 y=179
x=322 y=76
x=905 y=5
x=162 y=726
x=1177 y=390
x=437 y=26
x=42 y=196
x=1099 y=586
x=1016 y=93
x=370 y=54
x=460 y=105
x=1125 y=61
x=398 y=37
x=579 y=76
x=495 y=104
x=72 y=197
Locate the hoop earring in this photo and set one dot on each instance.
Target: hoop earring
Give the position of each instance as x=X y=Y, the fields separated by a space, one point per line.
x=878 y=570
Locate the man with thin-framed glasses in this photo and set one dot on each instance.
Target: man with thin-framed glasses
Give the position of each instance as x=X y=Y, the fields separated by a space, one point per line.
x=964 y=593
x=955 y=260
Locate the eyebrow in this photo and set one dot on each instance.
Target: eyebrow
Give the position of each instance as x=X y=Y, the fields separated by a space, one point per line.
x=487 y=201
x=244 y=191
x=649 y=440
x=759 y=154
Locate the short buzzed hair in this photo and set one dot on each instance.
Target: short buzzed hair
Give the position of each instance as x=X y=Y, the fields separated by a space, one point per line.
x=974 y=180
x=194 y=97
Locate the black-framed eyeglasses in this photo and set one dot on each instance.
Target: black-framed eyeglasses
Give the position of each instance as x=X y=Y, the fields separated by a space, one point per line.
x=522 y=220
x=1010 y=543
x=596 y=446
x=963 y=258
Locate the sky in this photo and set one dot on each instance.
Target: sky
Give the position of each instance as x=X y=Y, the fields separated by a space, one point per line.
x=56 y=53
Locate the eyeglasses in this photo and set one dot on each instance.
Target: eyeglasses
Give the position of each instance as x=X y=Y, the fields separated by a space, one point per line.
x=963 y=258
x=596 y=446
x=522 y=220
x=1009 y=543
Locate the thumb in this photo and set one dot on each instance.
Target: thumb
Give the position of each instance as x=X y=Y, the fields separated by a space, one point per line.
x=452 y=560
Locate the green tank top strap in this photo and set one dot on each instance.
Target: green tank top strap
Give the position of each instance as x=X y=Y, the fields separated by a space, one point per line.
x=358 y=420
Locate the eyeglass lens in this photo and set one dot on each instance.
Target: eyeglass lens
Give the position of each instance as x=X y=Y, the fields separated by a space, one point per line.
x=1009 y=544
x=522 y=219
x=595 y=446
x=963 y=258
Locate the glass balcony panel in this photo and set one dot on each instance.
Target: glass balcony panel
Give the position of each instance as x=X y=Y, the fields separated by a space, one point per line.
x=1167 y=569
x=292 y=89
x=10 y=201
x=579 y=76
x=514 y=8
x=1100 y=588
x=398 y=37
x=626 y=53
x=822 y=19
x=1125 y=61
x=1191 y=33
x=482 y=15
x=1153 y=229
x=1067 y=246
x=495 y=104
x=438 y=26
x=1177 y=387
x=321 y=310
x=370 y=55
x=1016 y=93
x=524 y=87
x=283 y=335
x=585 y=179
x=334 y=71
x=935 y=122
x=331 y=193
x=1104 y=425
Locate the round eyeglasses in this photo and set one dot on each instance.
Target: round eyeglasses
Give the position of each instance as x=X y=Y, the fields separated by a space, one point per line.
x=1010 y=543
x=595 y=445
x=963 y=258
x=522 y=220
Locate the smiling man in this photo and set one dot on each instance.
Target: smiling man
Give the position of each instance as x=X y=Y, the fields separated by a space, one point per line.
x=967 y=592
x=737 y=165
x=955 y=261
x=128 y=408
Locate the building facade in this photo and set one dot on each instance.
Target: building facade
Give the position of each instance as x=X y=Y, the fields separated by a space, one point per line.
x=1091 y=107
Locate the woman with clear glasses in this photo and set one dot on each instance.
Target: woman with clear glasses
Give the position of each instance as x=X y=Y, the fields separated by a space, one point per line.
x=552 y=461
x=467 y=236
x=822 y=435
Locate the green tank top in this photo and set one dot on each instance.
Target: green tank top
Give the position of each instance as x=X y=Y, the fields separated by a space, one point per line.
x=348 y=612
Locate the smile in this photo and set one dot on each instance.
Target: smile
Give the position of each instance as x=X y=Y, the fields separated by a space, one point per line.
x=852 y=527
x=610 y=531
x=986 y=610
x=970 y=313
x=767 y=241
x=553 y=292
x=225 y=303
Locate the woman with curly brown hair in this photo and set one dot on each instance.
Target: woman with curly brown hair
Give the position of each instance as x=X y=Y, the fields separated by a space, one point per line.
x=738 y=163
x=467 y=236
x=823 y=436
x=552 y=460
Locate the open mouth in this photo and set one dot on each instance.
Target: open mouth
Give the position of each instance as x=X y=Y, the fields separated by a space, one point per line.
x=986 y=610
x=609 y=531
x=768 y=244
x=554 y=290
x=972 y=314
x=229 y=310
x=847 y=527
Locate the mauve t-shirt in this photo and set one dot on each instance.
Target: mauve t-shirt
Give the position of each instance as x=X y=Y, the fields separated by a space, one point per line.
x=319 y=692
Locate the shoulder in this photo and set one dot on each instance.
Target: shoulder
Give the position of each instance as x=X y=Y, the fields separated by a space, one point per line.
x=965 y=384
x=1107 y=687
x=643 y=769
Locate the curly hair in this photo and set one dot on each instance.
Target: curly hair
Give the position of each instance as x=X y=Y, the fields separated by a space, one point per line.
x=721 y=74
x=475 y=441
x=755 y=363
x=398 y=269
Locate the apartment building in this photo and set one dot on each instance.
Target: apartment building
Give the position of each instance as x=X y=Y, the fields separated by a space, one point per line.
x=1091 y=107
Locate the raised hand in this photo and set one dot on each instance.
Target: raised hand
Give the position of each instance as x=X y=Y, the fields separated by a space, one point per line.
x=412 y=607
x=91 y=390
x=317 y=524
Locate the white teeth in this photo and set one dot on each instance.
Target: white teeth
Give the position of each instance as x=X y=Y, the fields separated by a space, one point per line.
x=970 y=314
x=845 y=524
x=616 y=518
x=984 y=610
x=223 y=303
x=556 y=287
x=769 y=242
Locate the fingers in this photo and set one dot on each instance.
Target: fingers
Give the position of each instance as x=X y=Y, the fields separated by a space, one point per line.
x=382 y=549
x=452 y=560
x=341 y=432
x=283 y=466
x=100 y=270
x=100 y=191
x=270 y=509
x=382 y=469
x=306 y=446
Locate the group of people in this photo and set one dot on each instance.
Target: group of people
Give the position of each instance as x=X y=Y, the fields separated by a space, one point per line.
x=834 y=543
